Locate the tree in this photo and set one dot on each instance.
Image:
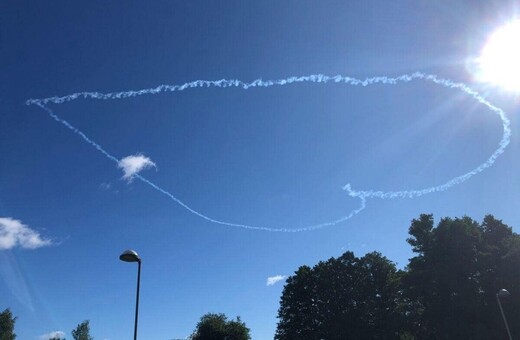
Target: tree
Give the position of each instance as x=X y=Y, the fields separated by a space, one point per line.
x=447 y=291
x=7 y=322
x=443 y=278
x=237 y=330
x=450 y=285
x=217 y=327
x=342 y=298
x=82 y=331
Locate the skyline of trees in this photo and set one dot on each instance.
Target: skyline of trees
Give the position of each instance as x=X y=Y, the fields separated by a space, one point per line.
x=447 y=291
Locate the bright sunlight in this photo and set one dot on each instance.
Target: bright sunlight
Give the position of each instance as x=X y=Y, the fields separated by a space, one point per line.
x=500 y=58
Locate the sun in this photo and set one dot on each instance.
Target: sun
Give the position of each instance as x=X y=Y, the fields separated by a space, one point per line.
x=499 y=61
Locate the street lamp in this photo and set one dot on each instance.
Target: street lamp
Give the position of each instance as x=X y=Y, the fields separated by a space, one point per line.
x=502 y=294
x=131 y=256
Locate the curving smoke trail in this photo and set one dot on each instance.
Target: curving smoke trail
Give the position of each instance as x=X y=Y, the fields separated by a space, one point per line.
x=315 y=78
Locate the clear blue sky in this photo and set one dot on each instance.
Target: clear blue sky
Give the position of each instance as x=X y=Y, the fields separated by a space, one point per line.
x=276 y=156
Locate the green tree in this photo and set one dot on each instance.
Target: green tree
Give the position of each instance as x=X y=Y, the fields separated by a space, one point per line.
x=342 y=298
x=82 y=331
x=237 y=330
x=443 y=278
x=450 y=284
x=7 y=322
x=447 y=291
x=499 y=267
x=217 y=327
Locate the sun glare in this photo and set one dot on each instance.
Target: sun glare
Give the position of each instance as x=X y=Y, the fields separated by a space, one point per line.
x=500 y=58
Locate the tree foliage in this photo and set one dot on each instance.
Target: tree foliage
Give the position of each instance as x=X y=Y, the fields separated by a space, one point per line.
x=342 y=298
x=217 y=327
x=7 y=322
x=459 y=267
x=82 y=331
x=447 y=291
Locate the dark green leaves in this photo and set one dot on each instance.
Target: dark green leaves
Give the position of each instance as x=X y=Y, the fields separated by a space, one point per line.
x=217 y=327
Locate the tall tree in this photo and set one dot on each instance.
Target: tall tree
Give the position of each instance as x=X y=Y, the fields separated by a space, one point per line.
x=217 y=327
x=451 y=283
x=342 y=298
x=444 y=277
x=447 y=291
x=499 y=260
x=7 y=322
x=82 y=331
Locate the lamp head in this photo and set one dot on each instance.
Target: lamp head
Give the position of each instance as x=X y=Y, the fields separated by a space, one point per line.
x=503 y=293
x=129 y=256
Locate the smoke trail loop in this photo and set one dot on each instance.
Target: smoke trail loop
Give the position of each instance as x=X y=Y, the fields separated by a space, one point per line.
x=362 y=195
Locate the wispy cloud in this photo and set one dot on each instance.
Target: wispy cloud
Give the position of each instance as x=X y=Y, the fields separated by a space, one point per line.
x=271 y=280
x=52 y=335
x=14 y=233
x=105 y=186
x=132 y=165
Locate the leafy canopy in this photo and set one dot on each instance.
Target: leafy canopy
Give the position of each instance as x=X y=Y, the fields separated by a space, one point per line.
x=217 y=327
x=82 y=331
x=447 y=290
x=7 y=322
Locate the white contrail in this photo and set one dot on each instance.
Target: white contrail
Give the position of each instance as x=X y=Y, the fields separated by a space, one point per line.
x=362 y=195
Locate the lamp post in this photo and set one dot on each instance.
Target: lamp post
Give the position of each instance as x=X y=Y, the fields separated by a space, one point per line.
x=502 y=293
x=131 y=256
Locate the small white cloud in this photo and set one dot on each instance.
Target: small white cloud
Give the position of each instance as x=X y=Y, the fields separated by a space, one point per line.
x=51 y=335
x=271 y=280
x=105 y=186
x=132 y=165
x=14 y=233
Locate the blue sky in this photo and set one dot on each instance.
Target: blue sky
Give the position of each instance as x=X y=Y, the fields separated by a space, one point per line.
x=277 y=156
